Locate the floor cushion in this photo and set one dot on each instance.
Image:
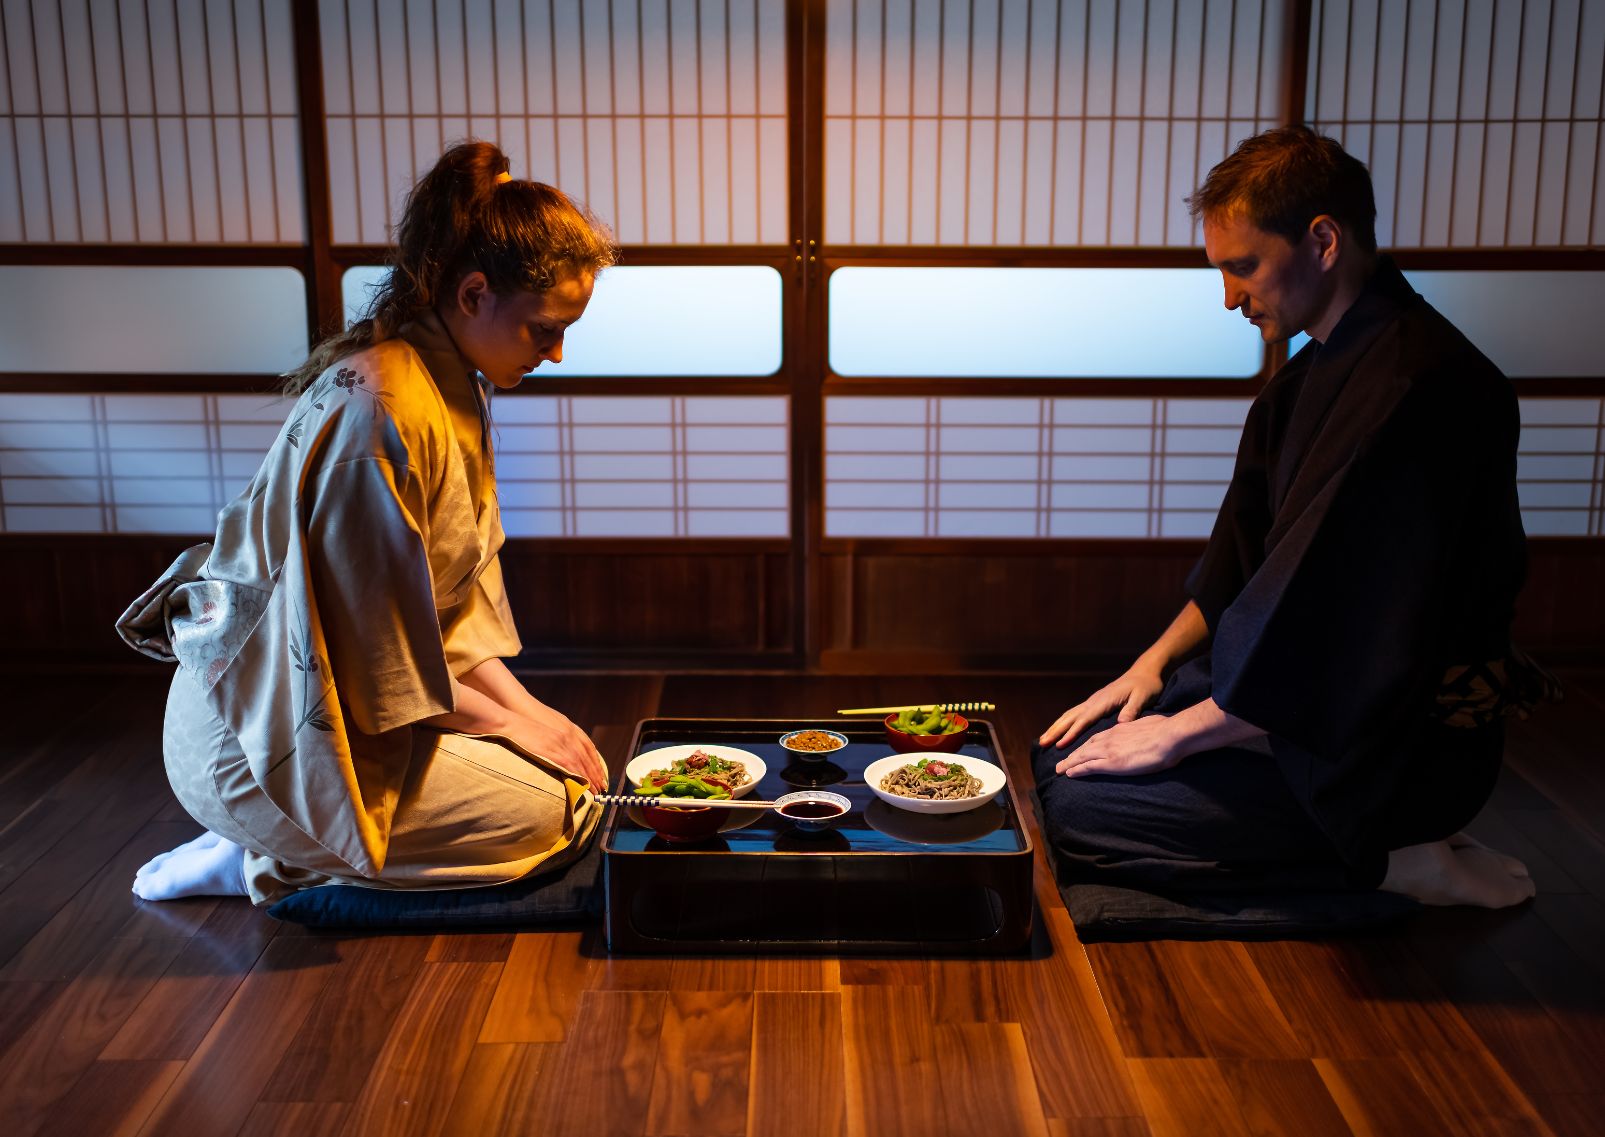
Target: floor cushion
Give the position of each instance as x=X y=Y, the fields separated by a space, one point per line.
x=570 y=895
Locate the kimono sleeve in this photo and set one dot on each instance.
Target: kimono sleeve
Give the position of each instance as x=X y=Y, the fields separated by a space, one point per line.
x=1237 y=541
x=374 y=594
x=481 y=628
x=1333 y=642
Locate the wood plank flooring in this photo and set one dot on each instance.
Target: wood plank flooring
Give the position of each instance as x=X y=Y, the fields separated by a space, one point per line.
x=204 y=1018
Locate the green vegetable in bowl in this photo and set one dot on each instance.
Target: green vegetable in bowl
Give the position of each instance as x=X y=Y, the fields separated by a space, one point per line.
x=934 y=721
x=682 y=785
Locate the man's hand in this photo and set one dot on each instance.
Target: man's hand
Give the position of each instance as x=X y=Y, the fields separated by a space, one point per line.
x=1126 y=749
x=1130 y=693
x=1157 y=742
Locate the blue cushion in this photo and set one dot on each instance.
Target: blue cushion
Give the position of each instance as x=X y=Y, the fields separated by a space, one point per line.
x=571 y=894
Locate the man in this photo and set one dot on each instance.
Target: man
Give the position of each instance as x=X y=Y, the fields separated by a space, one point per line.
x=1340 y=721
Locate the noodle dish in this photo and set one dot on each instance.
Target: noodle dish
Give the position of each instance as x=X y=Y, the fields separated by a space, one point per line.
x=934 y=783
x=935 y=779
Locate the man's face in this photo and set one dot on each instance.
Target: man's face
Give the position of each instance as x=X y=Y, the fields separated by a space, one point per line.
x=1278 y=286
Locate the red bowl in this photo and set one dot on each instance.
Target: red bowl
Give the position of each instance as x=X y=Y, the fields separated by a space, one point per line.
x=684 y=825
x=906 y=743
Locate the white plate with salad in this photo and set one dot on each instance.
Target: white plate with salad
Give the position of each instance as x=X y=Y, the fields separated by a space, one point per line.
x=696 y=771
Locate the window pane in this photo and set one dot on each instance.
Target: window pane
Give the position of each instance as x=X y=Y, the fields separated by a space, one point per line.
x=1531 y=324
x=152 y=320
x=1036 y=322
x=659 y=320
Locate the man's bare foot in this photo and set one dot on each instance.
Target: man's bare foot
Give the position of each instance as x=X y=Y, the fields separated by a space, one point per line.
x=1440 y=873
x=1463 y=840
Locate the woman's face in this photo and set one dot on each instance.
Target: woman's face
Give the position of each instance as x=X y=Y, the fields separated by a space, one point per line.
x=506 y=336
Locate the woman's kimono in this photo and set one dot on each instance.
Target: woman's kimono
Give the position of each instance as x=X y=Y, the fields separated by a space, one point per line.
x=345 y=590
x=1359 y=587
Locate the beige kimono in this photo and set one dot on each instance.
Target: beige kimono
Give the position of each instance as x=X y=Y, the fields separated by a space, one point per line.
x=345 y=589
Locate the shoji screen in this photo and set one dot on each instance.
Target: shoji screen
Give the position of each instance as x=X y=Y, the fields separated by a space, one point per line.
x=1481 y=123
x=984 y=125
x=666 y=117
x=149 y=121
x=1037 y=122
x=1480 y=120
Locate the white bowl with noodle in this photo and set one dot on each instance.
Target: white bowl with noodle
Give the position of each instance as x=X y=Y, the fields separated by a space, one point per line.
x=637 y=769
x=992 y=779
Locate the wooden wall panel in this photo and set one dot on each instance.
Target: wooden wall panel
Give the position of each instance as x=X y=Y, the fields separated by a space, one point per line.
x=712 y=605
x=1009 y=605
x=633 y=599
x=577 y=604
x=1098 y=603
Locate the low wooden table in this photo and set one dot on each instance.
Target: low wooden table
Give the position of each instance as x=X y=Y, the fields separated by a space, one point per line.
x=880 y=881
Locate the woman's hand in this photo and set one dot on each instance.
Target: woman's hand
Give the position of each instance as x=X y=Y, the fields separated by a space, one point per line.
x=555 y=738
x=1127 y=748
x=1130 y=693
x=559 y=740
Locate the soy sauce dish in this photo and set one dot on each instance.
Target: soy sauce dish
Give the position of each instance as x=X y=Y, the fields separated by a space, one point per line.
x=812 y=811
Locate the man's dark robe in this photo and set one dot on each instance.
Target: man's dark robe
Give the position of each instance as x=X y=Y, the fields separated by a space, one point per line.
x=1369 y=542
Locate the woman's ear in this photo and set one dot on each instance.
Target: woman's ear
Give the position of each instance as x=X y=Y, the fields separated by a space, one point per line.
x=473 y=291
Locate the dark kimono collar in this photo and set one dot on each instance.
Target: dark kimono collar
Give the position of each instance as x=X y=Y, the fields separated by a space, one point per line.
x=1332 y=415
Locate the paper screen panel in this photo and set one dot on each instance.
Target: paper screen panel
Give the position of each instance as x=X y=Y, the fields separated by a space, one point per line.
x=566 y=467
x=129 y=463
x=1561 y=467
x=1480 y=121
x=1037 y=322
x=666 y=117
x=1037 y=122
x=149 y=121
x=605 y=466
x=719 y=467
x=1146 y=467
x=657 y=320
x=152 y=319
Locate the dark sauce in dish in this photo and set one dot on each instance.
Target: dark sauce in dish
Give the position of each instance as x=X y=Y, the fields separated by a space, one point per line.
x=811 y=809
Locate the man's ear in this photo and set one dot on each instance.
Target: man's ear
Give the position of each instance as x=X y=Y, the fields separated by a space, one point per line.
x=1328 y=237
x=473 y=290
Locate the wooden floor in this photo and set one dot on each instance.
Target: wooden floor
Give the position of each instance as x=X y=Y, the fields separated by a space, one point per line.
x=203 y=1017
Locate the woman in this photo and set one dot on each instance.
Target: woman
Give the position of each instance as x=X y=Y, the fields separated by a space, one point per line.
x=341 y=711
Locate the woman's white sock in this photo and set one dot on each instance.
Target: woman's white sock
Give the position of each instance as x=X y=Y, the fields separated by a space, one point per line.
x=206 y=866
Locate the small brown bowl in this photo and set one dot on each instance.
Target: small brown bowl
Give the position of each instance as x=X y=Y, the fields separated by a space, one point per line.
x=684 y=825
x=906 y=743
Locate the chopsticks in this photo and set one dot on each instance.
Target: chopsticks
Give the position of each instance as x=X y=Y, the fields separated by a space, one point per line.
x=682 y=802
x=920 y=707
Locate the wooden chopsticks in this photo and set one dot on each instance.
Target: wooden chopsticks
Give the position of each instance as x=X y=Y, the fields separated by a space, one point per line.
x=961 y=707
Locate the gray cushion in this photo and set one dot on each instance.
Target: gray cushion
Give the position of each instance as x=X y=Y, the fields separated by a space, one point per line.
x=1104 y=912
